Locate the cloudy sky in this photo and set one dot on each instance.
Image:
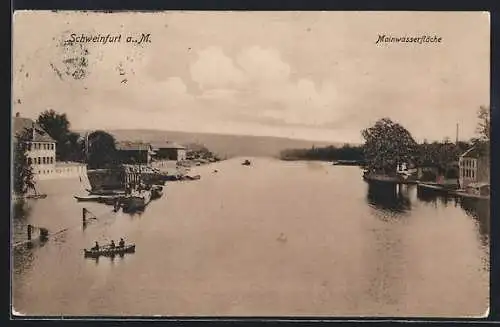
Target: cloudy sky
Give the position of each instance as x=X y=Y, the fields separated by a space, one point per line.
x=308 y=75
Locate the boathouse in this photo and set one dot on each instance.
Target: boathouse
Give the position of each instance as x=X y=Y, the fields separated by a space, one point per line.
x=169 y=151
x=474 y=166
x=133 y=152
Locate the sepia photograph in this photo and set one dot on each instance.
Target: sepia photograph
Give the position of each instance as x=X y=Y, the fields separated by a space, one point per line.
x=250 y=164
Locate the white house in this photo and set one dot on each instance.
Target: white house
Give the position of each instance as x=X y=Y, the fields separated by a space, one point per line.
x=41 y=147
x=42 y=152
x=474 y=167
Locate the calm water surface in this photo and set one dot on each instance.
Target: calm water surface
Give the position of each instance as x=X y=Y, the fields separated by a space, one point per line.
x=275 y=238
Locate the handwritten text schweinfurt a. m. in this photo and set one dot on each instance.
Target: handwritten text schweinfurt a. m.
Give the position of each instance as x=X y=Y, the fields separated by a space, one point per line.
x=107 y=38
x=383 y=38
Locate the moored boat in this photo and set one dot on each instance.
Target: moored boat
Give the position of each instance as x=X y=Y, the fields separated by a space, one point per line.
x=137 y=200
x=480 y=191
x=429 y=186
x=109 y=251
x=108 y=199
x=156 y=192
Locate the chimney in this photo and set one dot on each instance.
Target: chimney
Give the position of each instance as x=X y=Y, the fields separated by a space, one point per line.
x=18 y=115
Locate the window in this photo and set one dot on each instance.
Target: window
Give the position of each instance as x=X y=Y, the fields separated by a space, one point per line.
x=29 y=161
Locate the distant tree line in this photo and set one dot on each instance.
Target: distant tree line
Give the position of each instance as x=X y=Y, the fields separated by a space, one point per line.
x=329 y=153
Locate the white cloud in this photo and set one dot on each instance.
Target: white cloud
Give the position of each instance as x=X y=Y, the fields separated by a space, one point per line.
x=213 y=69
x=261 y=85
x=263 y=65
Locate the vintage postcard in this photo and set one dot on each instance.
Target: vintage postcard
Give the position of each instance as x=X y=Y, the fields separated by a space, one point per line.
x=190 y=163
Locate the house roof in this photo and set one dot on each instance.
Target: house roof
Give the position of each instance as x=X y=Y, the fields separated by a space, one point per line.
x=40 y=135
x=166 y=145
x=474 y=152
x=132 y=146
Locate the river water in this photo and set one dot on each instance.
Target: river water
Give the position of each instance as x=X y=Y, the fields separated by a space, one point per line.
x=272 y=239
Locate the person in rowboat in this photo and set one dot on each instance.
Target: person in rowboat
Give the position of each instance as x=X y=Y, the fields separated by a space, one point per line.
x=121 y=244
x=112 y=245
x=96 y=247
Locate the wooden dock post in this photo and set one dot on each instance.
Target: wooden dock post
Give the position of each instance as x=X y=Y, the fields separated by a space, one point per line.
x=29 y=232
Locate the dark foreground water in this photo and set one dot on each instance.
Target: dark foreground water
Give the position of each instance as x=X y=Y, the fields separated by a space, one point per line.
x=276 y=238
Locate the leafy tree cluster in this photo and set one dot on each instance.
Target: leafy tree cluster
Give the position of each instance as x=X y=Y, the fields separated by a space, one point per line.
x=388 y=144
x=440 y=154
x=58 y=127
x=97 y=149
x=100 y=151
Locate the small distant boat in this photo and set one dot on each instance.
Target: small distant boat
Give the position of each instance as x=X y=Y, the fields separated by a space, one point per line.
x=36 y=196
x=346 y=163
x=109 y=251
x=192 y=178
x=246 y=163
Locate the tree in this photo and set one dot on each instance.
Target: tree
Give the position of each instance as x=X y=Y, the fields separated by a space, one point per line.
x=101 y=150
x=57 y=126
x=483 y=128
x=22 y=170
x=387 y=144
x=76 y=145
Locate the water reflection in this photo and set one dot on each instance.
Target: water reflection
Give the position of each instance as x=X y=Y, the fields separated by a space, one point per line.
x=389 y=197
x=477 y=209
x=23 y=254
x=436 y=197
x=21 y=209
x=111 y=258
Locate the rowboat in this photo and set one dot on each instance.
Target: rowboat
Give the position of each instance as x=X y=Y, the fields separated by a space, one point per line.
x=109 y=251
